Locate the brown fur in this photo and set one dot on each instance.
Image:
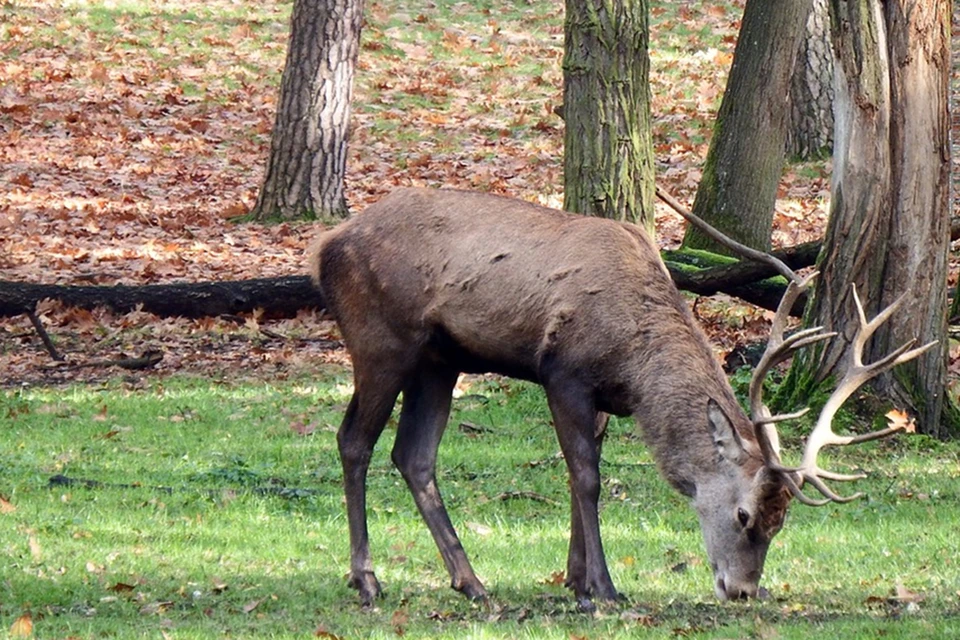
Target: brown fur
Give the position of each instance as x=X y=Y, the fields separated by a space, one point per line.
x=426 y=284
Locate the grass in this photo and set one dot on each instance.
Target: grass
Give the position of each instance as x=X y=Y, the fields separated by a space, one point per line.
x=217 y=518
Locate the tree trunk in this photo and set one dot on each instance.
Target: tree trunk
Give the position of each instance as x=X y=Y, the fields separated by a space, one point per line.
x=608 y=150
x=308 y=152
x=955 y=144
x=738 y=190
x=810 y=131
x=889 y=223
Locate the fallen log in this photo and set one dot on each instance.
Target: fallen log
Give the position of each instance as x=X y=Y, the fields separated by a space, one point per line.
x=278 y=297
x=284 y=297
x=753 y=282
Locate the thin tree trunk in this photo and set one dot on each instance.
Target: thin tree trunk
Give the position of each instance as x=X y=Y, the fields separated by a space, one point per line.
x=608 y=151
x=308 y=152
x=810 y=131
x=889 y=223
x=738 y=190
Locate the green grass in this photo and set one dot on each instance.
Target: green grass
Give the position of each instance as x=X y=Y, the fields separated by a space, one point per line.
x=196 y=545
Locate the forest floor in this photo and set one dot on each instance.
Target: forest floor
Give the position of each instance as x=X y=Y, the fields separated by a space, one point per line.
x=133 y=137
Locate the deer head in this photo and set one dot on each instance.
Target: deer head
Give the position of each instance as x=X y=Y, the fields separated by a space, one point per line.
x=739 y=525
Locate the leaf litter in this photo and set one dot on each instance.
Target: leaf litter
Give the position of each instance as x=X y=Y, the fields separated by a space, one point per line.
x=129 y=149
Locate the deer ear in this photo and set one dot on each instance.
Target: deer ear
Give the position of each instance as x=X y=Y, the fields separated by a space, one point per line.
x=725 y=436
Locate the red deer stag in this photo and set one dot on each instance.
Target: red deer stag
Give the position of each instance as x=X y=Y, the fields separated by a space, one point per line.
x=427 y=284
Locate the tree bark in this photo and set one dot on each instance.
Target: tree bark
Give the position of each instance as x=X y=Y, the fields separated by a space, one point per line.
x=889 y=224
x=810 y=130
x=305 y=172
x=738 y=190
x=281 y=297
x=608 y=150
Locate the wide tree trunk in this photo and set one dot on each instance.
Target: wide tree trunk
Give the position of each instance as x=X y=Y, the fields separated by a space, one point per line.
x=889 y=223
x=738 y=190
x=608 y=151
x=810 y=131
x=308 y=153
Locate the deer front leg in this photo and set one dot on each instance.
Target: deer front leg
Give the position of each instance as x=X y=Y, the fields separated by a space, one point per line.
x=423 y=418
x=576 y=557
x=362 y=425
x=576 y=419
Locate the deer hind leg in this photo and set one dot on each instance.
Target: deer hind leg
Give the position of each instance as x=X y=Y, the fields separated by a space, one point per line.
x=576 y=419
x=576 y=557
x=423 y=418
x=363 y=422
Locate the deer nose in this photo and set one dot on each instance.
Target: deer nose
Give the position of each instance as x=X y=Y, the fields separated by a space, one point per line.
x=729 y=590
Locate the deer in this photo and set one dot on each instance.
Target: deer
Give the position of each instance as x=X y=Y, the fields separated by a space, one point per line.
x=428 y=284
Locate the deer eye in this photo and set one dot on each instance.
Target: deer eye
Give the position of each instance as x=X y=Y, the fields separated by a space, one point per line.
x=743 y=517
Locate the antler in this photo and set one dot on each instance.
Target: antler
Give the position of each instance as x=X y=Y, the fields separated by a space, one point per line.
x=780 y=348
x=857 y=374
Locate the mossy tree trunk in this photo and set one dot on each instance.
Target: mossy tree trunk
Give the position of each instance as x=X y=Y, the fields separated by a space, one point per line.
x=889 y=223
x=308 y=152
x=608 y=151
x=738 y=190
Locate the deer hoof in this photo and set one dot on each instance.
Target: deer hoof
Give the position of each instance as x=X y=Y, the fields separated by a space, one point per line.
x=473 y=590
x=366 y=583
x=586 y=605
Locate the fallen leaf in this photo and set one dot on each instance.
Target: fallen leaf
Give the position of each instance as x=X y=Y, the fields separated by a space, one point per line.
x=905 y=595
x=36 y=552
x=898 y=419
x=556 y=579
x=640 y=619
x=219 y=586
x=479 y=529
x=399 y=621
x=253 y=604
x=6 y=506
x=301 y=429
x=321 y=632
x=154 y=608
x=22 y=627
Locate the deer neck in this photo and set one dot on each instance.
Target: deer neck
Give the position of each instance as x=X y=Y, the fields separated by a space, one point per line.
x=670 y=410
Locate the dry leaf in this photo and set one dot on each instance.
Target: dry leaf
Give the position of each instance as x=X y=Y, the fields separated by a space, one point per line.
x=301 y=429
x=22 y=627
x=36 y=552
x=556 y=579
x=898 y=419
x=253 y=604
x=479 y=529
x=321 y=632
x=398 y=621
x=6 y=506
x=905 y=595
x=154 y=608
